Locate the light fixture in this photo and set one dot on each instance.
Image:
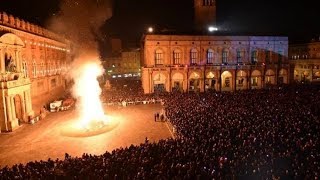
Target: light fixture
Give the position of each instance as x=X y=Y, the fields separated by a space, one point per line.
x=212 y=28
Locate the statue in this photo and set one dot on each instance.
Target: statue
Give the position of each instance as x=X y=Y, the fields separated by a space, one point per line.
x=10 y=66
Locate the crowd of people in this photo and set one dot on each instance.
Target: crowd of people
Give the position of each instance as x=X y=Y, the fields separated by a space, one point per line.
x=124 y=90
x=254 y=134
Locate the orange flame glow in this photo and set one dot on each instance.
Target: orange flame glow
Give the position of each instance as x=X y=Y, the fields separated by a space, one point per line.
x=88 y=91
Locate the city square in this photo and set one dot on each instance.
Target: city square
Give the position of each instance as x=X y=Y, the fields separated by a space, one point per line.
x=161 y=89
x=43 y=140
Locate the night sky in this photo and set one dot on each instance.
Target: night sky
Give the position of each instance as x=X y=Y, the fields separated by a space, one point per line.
x=297 y=19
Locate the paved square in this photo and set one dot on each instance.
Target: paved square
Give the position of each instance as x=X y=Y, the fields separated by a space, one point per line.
x=43 y=140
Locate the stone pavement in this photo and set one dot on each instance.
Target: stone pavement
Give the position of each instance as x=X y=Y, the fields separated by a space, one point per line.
x=43 y=140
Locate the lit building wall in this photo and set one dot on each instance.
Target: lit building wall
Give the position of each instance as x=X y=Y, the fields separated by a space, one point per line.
x=125 y=65
x=33 y=63
x=305 y=61
x=220 y=63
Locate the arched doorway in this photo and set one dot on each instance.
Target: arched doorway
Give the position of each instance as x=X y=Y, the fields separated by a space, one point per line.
x=210 y=81
x=305 y=76
x=316 y=76
x=226 y=78
x=270 y=77
x=283 y=76
x=256 y=79
x=194 y=82
x=241 y=79
x=159 y=82
x=177 y=80
x=18 y=108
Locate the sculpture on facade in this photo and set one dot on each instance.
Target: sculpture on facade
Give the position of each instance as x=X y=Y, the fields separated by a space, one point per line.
x=10 y=65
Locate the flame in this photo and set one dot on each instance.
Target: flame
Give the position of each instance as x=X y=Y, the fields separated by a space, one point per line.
x=88 y=91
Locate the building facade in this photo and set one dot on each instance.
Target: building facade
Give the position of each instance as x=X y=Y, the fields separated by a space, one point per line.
x=33 y=61
x=220 y=63
x=305 y=61
x=125 y=65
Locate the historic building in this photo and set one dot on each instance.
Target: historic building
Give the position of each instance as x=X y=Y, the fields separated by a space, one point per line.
x=212 y=62
x=305 y=61
x=204 y=14
x=33 y=60
x=220 y=63
x=127 y=64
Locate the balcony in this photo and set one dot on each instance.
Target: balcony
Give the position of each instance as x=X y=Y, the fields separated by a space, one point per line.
x=11 y=80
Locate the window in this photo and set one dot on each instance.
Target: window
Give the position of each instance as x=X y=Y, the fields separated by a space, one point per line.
x=254 y=58
x=267 y=56
x=25 y=69
x=210 y=56
x=42 y=69
x=207 y=2
x=239 y=56
x=224 y=56
x=176 y=57
x=193 y=56
x=158 y=57
x=34 y=69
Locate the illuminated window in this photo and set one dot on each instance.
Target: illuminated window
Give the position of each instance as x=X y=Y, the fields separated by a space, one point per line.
x=239 y=56
x=224 y=56
x=159 y=57
x=176 y=56
x=25 y=69
x=193 y=56
x=210 y=56
x=43 y=69
x=34 y=69
x=254 y=56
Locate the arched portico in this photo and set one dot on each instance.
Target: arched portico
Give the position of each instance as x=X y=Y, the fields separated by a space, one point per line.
x=177 y=82
x=194 y=82
x=256 y=79
x=226 y=78
x=270 y=77
x=241 y=80
x=211 y=81
x=283 y=76
x=316 y=75
x=159 y=82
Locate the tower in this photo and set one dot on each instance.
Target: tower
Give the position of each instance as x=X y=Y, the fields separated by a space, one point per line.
x=204 y=13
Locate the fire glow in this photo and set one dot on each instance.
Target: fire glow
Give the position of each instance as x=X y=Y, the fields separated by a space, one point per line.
x=87 y=91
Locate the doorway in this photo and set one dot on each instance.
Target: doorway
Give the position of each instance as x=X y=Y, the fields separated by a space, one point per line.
x=18 y=108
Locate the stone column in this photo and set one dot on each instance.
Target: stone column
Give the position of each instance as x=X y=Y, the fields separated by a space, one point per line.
x=2 y=60
x=9 y=112
x=13 y=109
x=28 y=103
x=234 y=78
x=18 y=59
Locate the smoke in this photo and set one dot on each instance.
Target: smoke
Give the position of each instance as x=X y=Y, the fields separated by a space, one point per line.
x=80 y=22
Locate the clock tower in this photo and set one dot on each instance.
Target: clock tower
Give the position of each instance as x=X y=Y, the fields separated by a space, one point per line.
x=204 y=14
